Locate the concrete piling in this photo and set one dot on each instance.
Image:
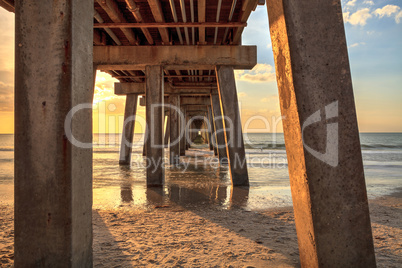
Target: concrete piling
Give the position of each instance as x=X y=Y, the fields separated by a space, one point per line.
x=128 y=129
x=155 y=124
x=328 y=186
x=233 y=132
x=53 y=172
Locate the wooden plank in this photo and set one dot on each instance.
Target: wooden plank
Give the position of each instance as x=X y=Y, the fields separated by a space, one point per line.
x=99 y=38
x=166 y=76
x=117 y=16
x=247 y=8
x=157 y=12
x=132 y=7
x=171 y=25
x=7 y=5
x=174 y=57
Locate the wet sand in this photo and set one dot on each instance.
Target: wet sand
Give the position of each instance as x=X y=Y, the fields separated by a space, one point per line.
x=199 y=220
x=169 y=235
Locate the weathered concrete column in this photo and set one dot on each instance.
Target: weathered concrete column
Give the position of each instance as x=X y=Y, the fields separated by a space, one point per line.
x=53 y=177
x=233 y=132
x=219 y=128
x=128 y=129
x=204 y=131
x=183 y=132
x=154 y=118
x=187 y=132
x=144 y=148
x=210 y=131
x=174 y=119
x=321 y=134
x=212 y=126
x=167 y=131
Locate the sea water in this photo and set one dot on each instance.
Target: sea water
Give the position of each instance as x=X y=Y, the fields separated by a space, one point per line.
x=200 y=181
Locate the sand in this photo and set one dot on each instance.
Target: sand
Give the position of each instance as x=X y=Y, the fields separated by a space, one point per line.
x=170 y=236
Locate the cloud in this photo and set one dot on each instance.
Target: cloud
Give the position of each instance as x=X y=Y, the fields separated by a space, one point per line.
x=387 y=10
x=242 y=94
x=7 y=40
x=360 y=17
x=357 y=44
x=351 y=3
x=6 y=97
x=398 y=17
x=368 y=2
x=104 y=87
x=270 y=98
x=259 y=74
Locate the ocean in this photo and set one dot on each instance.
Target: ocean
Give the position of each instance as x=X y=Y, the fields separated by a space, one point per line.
x=200 y=181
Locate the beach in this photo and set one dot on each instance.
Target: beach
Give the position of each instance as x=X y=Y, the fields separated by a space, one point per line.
x=176 y=236
x=199 y=220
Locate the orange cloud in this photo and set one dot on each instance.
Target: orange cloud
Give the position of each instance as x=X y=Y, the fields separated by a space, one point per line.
x=260 y=73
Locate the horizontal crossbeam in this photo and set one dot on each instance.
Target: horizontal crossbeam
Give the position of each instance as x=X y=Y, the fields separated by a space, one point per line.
x=186 y=101
x=174 y=57
x=139 y=88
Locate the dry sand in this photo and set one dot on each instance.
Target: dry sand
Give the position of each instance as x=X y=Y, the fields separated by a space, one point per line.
x=182 y=237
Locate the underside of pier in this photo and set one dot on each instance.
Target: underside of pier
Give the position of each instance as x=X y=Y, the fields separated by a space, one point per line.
x=180 y=56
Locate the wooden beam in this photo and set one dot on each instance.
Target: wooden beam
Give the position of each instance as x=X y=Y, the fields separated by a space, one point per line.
x=247 y=8
x=7 y=5
x=171 y=25
x=112 y=35
x=201 y=18
x=199 y=100
x=166 y=76
x=174 y=57
x=139 y=88
x=99 y=38
x=191 y=109
x=196 y=84
x=132 y=7
x=113 y=11
x=157 y=12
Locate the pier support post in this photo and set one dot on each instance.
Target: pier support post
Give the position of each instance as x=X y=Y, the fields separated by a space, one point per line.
x=53 y=176
x=167 y=131
x=128 y=129
x=233 y=132
x=212 y=125
x=154 y=118
x=209 y=127
x=183 y=131
x=187 y=132
x=219 y=129
x=321 y=134
x=174 y=119
x=204 y=130
x=144 y=148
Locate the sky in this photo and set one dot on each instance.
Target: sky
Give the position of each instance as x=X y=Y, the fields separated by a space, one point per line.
x=374 y=37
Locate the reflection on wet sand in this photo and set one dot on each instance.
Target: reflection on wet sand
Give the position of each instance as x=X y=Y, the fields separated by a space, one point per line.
x=126 y=191
x=199 y=186
x=202 y=197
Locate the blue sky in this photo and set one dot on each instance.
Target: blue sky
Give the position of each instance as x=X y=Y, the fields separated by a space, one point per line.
x=374 y=37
